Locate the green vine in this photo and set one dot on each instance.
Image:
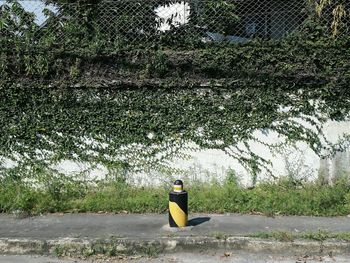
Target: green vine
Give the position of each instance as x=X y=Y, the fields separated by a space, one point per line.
x=140 y=105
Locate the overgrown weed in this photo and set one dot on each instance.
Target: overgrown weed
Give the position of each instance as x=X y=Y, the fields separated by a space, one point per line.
x=269 y=198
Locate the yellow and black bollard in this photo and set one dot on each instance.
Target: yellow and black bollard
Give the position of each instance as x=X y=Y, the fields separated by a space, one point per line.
x=178 y=212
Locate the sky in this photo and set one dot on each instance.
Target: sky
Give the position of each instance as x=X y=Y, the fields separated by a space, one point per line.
x=36 y=7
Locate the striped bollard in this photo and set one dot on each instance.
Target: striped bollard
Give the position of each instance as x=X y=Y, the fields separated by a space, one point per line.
x=178 y=212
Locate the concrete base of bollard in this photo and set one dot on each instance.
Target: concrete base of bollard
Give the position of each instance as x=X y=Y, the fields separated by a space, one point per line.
x=176 y=229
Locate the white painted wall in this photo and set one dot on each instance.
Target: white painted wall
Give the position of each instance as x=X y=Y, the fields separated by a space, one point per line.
x=208 y=165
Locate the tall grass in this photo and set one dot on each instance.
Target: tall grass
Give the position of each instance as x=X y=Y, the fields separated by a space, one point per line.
x=282 y=197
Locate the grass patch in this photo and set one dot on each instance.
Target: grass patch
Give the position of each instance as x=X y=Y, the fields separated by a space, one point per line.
x=278 y=198
x=277 y=235
x=319 y=235
x=219 y=235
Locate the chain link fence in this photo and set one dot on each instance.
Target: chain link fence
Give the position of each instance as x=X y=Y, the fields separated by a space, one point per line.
x=154 y=21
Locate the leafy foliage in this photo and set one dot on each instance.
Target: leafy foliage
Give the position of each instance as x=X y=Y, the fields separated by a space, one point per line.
x=289 y=86
x=335 y=15
x=207 y=13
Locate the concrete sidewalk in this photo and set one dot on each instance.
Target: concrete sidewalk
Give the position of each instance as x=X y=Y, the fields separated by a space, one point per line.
x=133 y=233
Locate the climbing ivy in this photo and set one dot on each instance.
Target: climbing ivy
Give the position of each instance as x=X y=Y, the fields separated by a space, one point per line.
x=142 y=128
x=138 y=106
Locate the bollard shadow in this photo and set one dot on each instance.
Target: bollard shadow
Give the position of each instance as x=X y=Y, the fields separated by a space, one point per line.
x=197 y=221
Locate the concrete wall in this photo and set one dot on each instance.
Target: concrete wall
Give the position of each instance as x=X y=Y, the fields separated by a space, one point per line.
x=299 y=162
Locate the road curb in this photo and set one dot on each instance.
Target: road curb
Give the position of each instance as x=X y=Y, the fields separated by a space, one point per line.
x=129 y=246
